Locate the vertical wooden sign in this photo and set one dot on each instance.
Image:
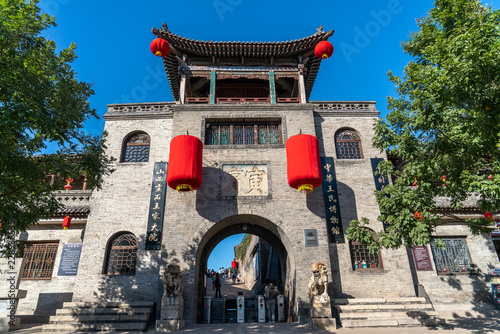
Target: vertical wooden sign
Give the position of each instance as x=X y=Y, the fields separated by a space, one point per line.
x=380 y=180
x=156 y=206
x=332 y=206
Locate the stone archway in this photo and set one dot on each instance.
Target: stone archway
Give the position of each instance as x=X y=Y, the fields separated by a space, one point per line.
x=251 y=224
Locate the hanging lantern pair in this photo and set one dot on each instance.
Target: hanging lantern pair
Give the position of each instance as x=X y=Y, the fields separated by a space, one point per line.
x=418 y=215
x=303 y=163
x=160 y=47
x=323 y=50
x=66 y=222
x=185 y=163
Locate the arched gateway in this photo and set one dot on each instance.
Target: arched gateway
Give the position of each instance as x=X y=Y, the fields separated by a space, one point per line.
x=243 y=101
x=255 y=225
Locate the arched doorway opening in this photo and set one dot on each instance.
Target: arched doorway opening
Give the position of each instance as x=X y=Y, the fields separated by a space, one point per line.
x=254 y=225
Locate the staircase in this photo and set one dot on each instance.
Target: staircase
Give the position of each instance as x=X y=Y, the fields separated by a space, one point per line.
x=386 y=312
x=112 y=316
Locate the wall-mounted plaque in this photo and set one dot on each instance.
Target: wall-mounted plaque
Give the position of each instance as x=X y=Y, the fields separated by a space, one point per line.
x=244 y=180
x=156 y=206
x=311 y=237
x=70 y=258
x=422 y=258
x=334 y=227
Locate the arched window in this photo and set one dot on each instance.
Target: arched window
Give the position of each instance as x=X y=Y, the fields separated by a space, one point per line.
x=136 y=148
x=348 y=145
x=122 y=255
x=362 y=258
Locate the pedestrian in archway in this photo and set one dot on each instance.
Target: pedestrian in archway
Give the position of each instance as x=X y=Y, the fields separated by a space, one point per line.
x=217 y=286
x=270 y=293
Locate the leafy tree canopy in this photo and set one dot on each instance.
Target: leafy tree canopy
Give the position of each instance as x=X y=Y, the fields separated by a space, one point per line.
x=444 y=125
x=41 y=101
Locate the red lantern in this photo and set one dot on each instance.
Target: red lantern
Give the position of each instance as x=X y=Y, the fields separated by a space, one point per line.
x=488 y=216
x=66 y=222
x=303 y=165
x=323 y=50
x=233 y=264
x=185 y=163
x=418 y=215
x=160 y=47
x=68 y=185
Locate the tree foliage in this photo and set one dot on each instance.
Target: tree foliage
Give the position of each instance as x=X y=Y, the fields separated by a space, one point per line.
x=444 y=125
x=41 y=101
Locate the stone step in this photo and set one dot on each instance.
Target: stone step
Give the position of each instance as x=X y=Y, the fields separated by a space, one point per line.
x=128 y=326
x=98 y=318
x=395 y=315
x=105 y=310
x=370 y=301
x=390 y=322
x=384 y=307
x=108 y=304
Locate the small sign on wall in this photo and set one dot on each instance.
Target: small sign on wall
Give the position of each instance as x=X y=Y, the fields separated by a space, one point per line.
x=70 y=258
x=422 y=258
x=311 y=237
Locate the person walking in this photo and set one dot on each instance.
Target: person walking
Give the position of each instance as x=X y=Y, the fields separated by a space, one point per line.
x=217 y=286
x=270 y=294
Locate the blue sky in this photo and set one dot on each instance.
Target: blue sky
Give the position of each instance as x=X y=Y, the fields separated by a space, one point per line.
x=113 y=40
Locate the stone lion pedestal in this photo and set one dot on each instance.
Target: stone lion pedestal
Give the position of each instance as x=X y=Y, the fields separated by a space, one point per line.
x=172 y=303
x=321 y=311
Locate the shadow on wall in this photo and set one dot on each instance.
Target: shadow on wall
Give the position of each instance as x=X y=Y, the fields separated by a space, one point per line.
x=147 y=282
x=208 y=197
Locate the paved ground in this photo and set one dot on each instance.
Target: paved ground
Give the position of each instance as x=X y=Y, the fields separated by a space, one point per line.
x=229 y=288
x=460 y=322
x=460 y=326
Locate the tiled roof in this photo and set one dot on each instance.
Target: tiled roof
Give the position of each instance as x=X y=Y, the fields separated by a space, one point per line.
x=293 y=48
x=75 y=211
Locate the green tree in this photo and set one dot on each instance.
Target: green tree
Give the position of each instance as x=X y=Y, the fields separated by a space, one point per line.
x=41 y=101
x=444 y=125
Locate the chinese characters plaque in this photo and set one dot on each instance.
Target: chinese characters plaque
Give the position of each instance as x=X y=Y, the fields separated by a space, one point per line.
x=330 y=194
x=422 y=259
x=245 y=180
x=70 y=258
x=380 y=180
x=156 y=206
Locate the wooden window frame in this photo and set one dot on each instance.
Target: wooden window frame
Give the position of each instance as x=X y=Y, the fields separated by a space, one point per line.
x=29 y=265
x=345 y=153
x=354 y=259
x=133 y=248
x=127 y=157
x=441 y=262
x=234 y=125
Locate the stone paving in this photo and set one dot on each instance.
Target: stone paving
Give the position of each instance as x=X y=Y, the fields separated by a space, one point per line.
x=459 y=322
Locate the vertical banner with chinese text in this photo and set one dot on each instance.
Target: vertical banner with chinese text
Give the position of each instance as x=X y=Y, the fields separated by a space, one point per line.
x=332 y=207
x=380 y=180
x=156 y=206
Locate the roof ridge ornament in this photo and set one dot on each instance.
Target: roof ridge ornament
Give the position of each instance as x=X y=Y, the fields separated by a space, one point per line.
x=319 y=29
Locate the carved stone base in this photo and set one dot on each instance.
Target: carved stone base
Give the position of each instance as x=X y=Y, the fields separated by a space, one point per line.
x=171 y=311
x=169 y=325
x=321 y=308
x=328 y=324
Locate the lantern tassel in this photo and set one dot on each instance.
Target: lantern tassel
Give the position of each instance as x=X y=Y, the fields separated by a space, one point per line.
x=184 y=188
x=305 y=188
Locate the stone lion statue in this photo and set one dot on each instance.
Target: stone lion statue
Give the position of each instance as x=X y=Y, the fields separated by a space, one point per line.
x=173 y=283
x=319 y=282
